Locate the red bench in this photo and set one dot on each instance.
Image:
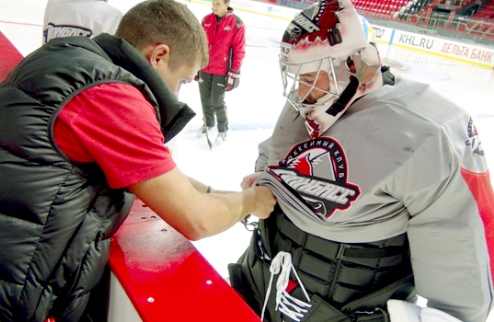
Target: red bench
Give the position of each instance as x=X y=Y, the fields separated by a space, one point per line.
x=166 y=278
x=10 y=56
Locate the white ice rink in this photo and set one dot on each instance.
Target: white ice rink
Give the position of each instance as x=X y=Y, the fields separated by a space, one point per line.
x=254 y=106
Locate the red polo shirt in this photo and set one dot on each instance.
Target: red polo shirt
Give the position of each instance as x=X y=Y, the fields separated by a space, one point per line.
x=114 y=126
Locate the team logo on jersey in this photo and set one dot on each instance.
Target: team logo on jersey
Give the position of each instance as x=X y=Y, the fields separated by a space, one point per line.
x=227 y=28
x=316 y=172
x=473 y=139
x=58 y=31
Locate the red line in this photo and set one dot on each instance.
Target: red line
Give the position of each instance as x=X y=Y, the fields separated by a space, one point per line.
x=40 y=25
x=22 y=23
x=258 y=46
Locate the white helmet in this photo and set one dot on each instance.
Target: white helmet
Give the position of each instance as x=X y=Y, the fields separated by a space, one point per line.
x=328 y=36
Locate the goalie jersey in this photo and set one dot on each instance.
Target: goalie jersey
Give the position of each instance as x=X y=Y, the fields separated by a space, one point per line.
x=89 y=18
x=403 y=159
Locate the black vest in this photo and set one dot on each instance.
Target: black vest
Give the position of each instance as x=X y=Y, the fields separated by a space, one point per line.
x=56 y=216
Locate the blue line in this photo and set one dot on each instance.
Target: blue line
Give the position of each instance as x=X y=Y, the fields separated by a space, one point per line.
x=270 y=126
x=484 y=116
x=239 y=127
x=392 y=37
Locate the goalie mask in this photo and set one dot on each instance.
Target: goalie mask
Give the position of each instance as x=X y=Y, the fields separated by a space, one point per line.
x=325 y=51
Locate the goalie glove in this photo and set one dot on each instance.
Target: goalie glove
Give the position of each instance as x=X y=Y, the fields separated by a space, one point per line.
x=233 y=80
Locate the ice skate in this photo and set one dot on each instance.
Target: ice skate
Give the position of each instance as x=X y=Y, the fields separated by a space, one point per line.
x=201 y=132
x=220 y=138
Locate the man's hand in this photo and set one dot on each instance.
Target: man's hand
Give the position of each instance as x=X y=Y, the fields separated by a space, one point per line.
x=264 y=202
x=184 y=205
x=249 y=180
x=233 y=80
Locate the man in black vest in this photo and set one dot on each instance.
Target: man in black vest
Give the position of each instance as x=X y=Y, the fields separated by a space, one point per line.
x=84 y=122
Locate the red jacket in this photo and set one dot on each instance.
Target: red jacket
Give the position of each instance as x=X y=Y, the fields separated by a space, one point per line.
x=229 y=33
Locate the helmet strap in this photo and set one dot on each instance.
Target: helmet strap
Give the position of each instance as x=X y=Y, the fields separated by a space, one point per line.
x=345 y=97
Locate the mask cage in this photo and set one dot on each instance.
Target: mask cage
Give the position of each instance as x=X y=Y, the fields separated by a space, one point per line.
x=291 y=78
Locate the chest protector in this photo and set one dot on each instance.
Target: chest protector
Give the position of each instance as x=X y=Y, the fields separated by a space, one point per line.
x=345 y=282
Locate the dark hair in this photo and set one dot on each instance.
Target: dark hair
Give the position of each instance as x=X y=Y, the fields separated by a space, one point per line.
x=169 y=22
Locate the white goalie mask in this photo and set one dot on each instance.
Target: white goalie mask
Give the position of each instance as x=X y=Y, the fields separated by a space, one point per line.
x=328 y=39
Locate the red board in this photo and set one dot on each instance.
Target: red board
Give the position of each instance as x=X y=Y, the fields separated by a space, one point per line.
x=10 y=56
x=166 y=278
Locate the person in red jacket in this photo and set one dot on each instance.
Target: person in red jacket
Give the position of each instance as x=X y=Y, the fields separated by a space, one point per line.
x=226 y=39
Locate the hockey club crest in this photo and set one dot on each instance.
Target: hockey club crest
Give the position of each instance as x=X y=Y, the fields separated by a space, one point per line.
x=316 y=172
x=473 y=139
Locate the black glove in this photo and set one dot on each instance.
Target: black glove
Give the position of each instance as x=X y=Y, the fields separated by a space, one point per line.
x=233 y=80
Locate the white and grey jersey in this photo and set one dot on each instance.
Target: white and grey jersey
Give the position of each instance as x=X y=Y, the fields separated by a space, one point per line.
x=88 y=18
x=401 y=159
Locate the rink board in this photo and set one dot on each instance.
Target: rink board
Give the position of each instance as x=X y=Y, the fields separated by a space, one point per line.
x=166 y=278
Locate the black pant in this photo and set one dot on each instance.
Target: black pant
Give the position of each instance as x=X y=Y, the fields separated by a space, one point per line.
x=212 y=89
